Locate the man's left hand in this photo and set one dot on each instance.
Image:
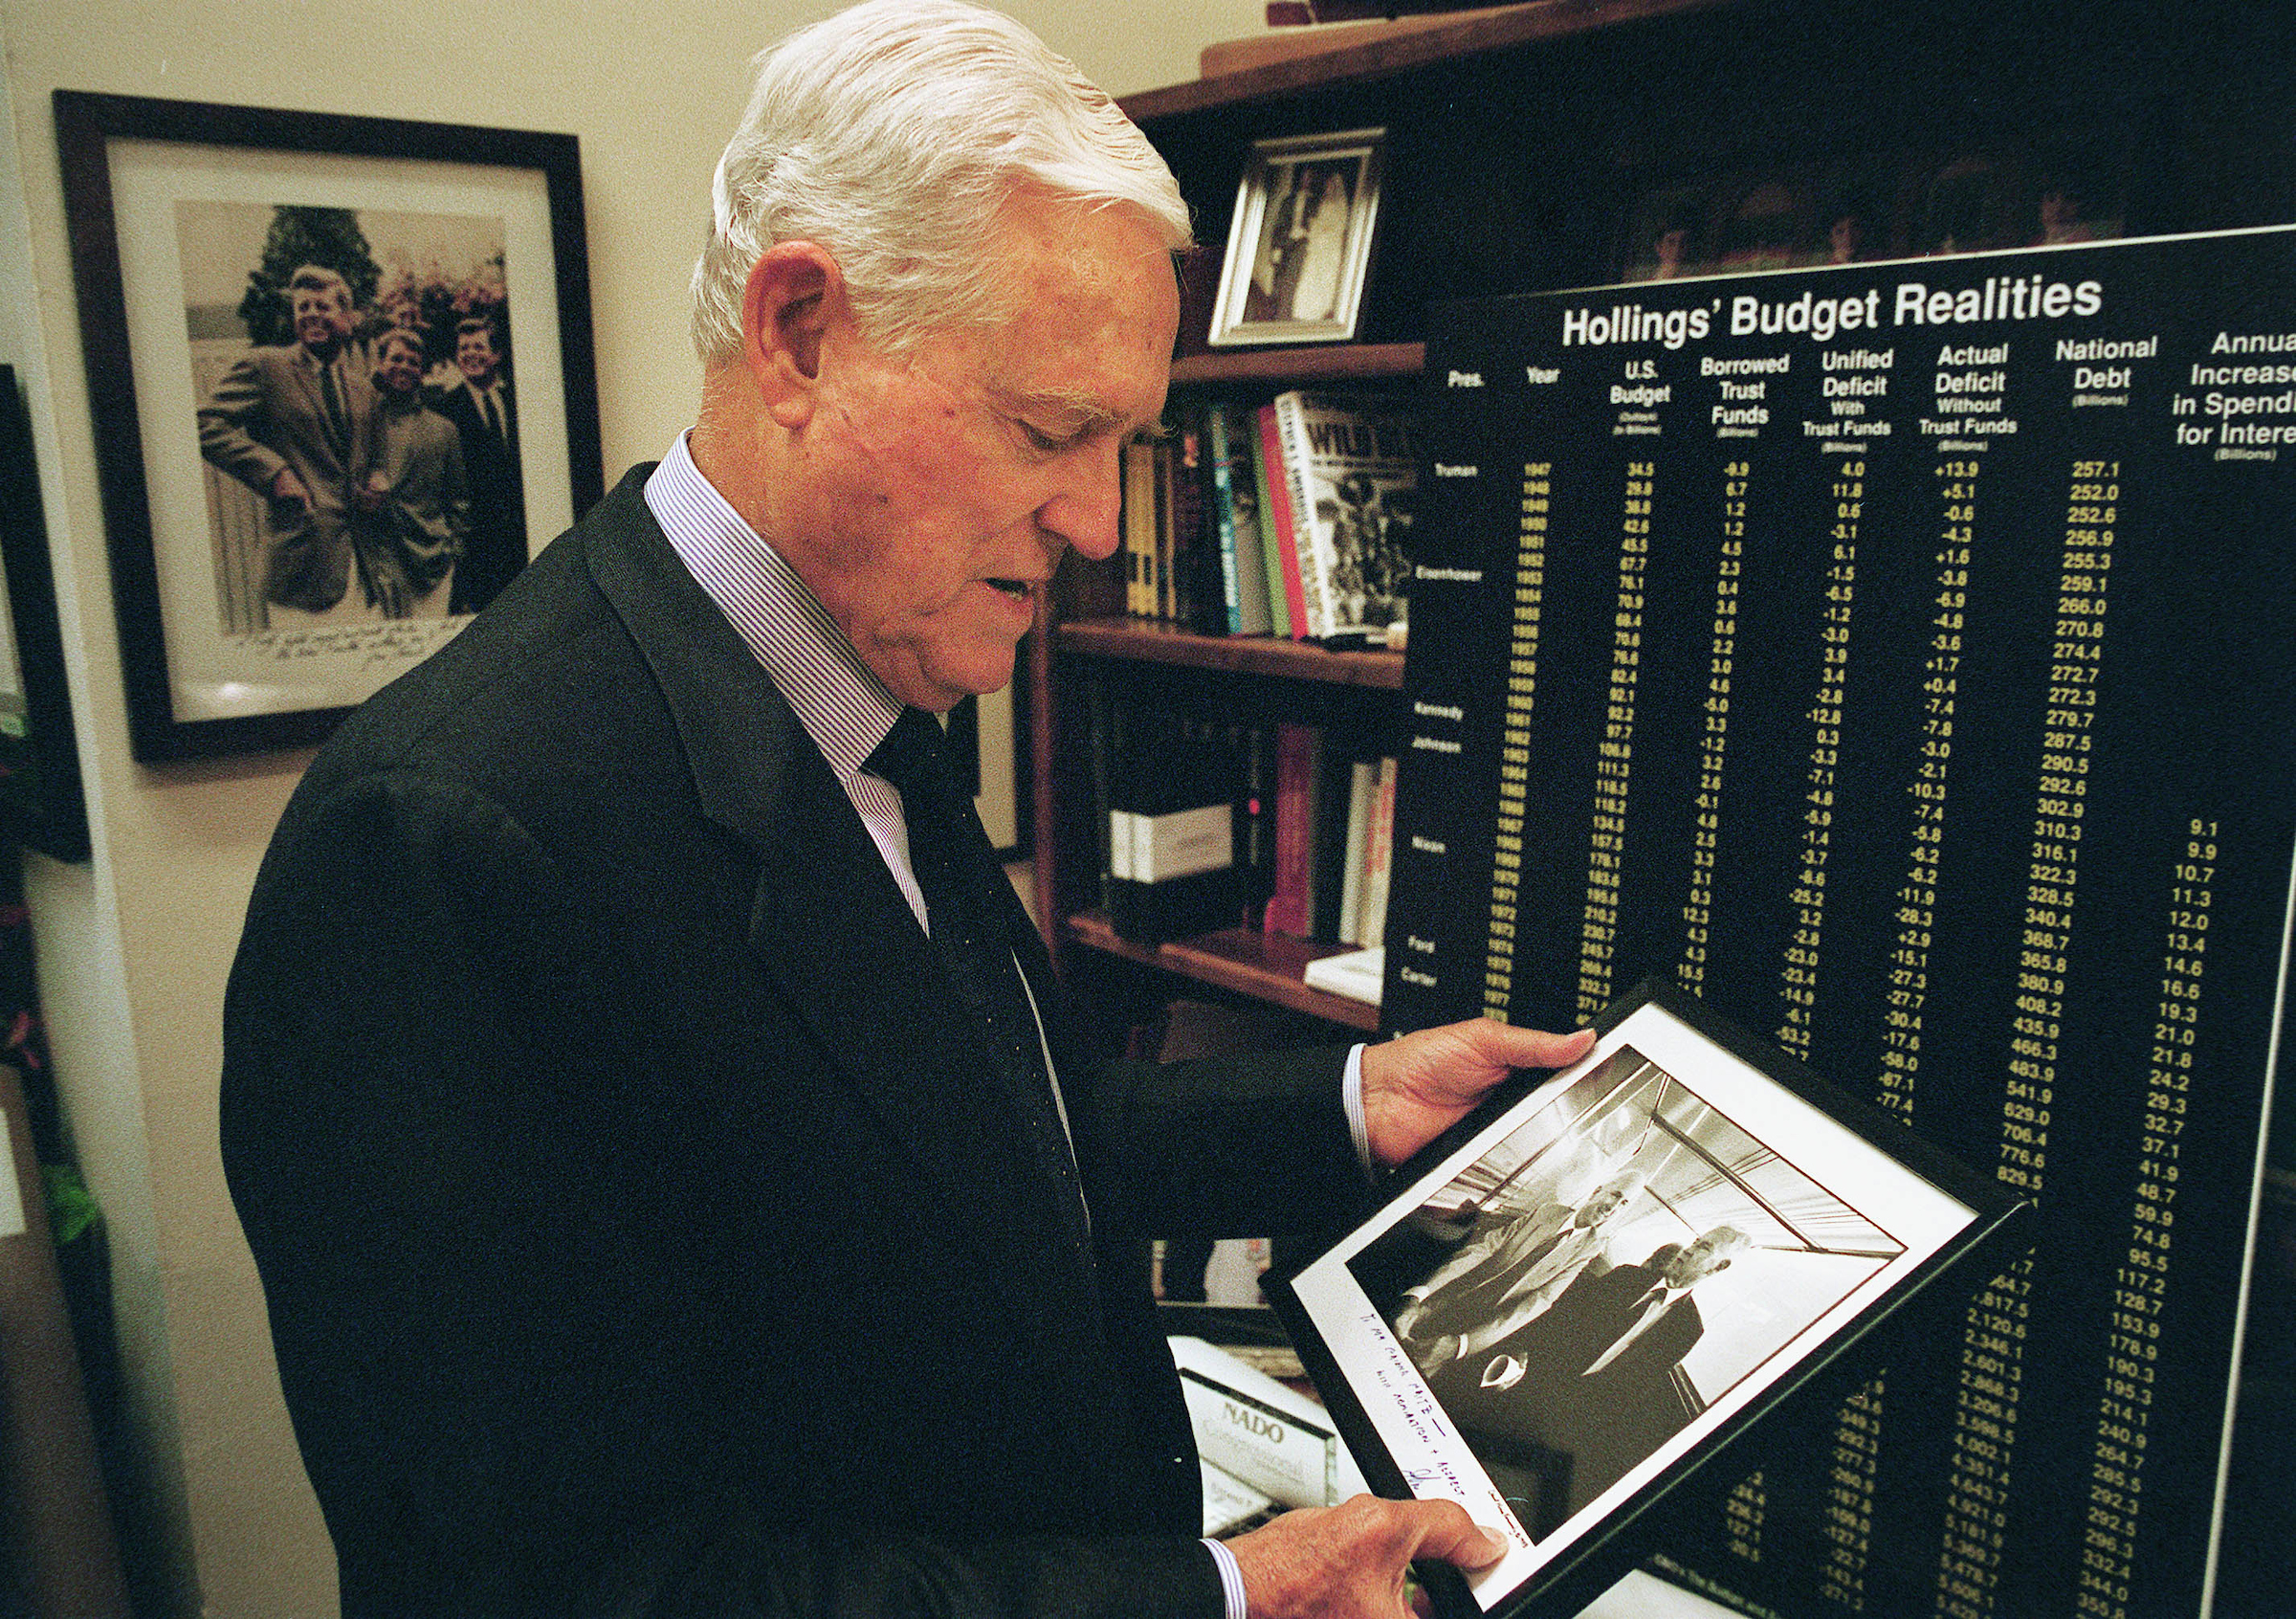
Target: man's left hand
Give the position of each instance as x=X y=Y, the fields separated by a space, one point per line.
x=1419 y=1086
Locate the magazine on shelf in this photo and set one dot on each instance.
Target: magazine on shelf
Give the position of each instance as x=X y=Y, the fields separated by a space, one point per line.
x=1351 y=478
x=1581 y=1296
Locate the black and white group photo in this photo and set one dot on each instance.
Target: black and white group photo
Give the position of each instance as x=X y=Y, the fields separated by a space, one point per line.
x=1600 y=1276
x=356 y=411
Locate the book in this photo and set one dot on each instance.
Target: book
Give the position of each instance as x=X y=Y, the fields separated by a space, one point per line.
x=1328 y=914
x=1356 y=974
x=1185 y=470
x=1352 y=478
x=1254 y=748
x=1231 y=1506
x=1265 y=1437
x=1363 y=787
x=1236 y=506
x=1298 y=767
x=1172 y=813
x=1378 y=858
x=1283 y=500
x=1164 y=596
x=1139 y=527
x=1272 y=564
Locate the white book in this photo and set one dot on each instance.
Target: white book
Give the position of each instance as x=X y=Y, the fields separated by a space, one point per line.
x=1356 y=974
x=1363 y=786
x=1229 y=1503
x=1378 y=858
x=1265 y=1437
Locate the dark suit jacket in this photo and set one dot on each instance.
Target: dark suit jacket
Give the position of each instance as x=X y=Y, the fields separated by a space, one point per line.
x=266 y=415
x=497 y=546
x=641 y=1229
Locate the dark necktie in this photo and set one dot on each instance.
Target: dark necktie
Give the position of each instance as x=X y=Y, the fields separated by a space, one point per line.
x=330 y=393
x=957 y=873
x=492 y=414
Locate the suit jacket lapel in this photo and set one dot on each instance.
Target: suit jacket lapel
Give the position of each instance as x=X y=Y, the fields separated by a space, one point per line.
x=827 y=920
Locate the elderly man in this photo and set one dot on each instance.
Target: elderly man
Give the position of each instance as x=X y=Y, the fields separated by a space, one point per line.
x=675 y=1183
x=295 y=423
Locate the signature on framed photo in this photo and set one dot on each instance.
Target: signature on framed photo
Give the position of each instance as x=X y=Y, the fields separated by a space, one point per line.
x=1299 y=248
x=343 y=381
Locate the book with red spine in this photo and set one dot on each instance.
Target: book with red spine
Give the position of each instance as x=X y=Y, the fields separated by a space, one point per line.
x=1298 y=770
x=1282 y=508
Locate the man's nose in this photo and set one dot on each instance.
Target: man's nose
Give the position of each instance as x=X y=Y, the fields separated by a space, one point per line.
x=1086 y=510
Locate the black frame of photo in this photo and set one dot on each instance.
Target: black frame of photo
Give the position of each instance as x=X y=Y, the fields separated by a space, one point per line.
x=1620 y=1540
x=85 y=123
x=49 y=812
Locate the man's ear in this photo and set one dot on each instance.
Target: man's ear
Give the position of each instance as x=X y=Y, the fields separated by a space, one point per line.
x=795 y=291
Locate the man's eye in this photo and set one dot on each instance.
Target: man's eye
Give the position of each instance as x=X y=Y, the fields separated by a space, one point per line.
x=1038 y=439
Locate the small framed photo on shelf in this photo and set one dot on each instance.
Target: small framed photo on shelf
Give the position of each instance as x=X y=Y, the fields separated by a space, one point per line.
x=1299 y=247
x=342 y=380
x=1581 y=1297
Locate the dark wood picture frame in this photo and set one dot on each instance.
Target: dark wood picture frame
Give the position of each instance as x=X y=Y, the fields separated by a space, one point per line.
x=88 y=125
x=41 y=800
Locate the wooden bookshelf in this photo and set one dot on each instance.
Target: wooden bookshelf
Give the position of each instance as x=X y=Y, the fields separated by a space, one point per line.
x=1267 y=966
x=1395 y=51
x=1289 y=368
x=1521 y=140
x=1146 y=641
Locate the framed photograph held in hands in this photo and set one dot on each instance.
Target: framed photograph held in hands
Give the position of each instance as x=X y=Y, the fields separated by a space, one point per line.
x=1579 y=1297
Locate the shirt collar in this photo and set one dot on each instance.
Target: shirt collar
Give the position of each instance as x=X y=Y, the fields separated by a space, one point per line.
x=844 y=707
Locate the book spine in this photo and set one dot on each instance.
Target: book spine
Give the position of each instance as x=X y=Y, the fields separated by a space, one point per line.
x=1255 y=755
x=1179 y=872
x=1335 y=774
x=1283 y=496
x=1271 y=567
x=1167 y=570
x=1139 y=530
x=1379 y=858
x=1224 y=513
x=1363 y=780
x=1297 y=759
x=1313 y=609
x=1251 y=567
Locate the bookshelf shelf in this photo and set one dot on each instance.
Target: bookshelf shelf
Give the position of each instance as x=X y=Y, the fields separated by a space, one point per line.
x=1289 y=368
x=1266 y=966
x=1146 y=642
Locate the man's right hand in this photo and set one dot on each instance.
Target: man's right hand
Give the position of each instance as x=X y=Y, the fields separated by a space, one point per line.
x=1348 y=1562
x=288 y=490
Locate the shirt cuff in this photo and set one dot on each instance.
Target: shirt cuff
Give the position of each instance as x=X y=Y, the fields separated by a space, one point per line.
x=1351 y=1097
x=1231 y=1577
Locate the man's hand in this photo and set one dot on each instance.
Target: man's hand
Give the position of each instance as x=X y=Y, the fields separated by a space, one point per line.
x=1349 y=1561
x=288 y=490
x=1418 y=1087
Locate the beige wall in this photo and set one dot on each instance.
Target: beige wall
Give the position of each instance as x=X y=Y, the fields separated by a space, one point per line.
x=134 y=945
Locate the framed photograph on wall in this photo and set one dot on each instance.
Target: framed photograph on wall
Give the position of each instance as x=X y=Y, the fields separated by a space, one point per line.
x=1299 y=248
x=342 y=381
x=41 y=802
x=1575 y=1301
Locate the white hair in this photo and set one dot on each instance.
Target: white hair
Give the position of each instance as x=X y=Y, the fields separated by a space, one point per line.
x=894 y=135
